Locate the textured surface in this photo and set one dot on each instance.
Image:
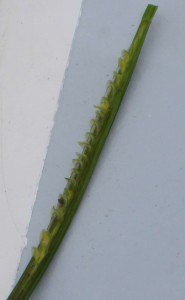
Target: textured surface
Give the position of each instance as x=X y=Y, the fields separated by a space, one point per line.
x=35 y=39
x=127 y=240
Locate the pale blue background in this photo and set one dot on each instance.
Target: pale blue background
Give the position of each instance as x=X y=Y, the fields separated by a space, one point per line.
x=128 y=238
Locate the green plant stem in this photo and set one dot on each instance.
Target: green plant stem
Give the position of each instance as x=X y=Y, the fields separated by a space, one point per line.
x=81 y=174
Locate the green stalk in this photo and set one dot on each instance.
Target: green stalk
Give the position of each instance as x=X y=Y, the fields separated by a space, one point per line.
x=84 y=165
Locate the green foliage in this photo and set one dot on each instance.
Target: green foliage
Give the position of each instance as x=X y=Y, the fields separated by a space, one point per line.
x=84 y=164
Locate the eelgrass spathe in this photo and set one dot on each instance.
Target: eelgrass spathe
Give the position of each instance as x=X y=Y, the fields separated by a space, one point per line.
x=84 y=164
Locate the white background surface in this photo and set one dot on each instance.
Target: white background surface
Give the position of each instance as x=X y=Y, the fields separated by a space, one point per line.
x=35 y=39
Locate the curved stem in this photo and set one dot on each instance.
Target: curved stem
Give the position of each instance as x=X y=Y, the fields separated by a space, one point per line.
x=84 y=165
